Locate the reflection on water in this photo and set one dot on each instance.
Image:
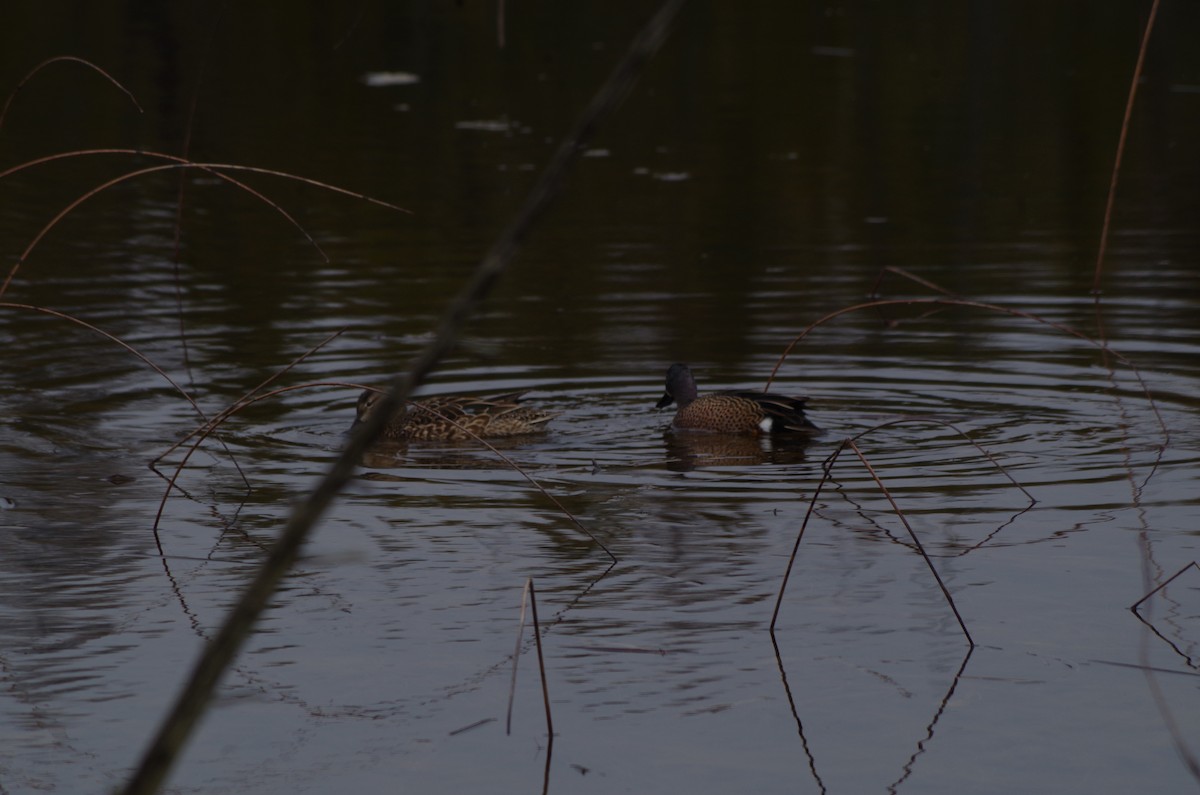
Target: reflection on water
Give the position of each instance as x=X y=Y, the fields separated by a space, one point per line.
x=687 y=451
x=817 y=150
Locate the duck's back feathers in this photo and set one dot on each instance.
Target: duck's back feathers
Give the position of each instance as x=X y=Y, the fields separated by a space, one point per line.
x=450 y=417
x=732 y=412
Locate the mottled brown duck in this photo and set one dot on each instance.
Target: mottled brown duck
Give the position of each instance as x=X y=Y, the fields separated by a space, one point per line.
x=731 y=412
x=449 y=417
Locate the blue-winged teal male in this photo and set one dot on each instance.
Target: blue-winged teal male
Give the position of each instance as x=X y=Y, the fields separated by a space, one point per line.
x=449 y=417
x=731 y=412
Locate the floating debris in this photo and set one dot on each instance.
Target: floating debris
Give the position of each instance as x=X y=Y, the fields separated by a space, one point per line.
x=485 y=125
x=377 y=79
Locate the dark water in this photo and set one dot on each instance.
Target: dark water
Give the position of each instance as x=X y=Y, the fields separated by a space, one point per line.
x=770 y=163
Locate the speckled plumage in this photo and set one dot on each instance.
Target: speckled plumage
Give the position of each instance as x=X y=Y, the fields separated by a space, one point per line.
x=450 y=417
x=731 y=412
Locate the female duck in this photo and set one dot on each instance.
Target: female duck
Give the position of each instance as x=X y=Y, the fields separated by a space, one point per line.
x=731 y=412
x=450 y=417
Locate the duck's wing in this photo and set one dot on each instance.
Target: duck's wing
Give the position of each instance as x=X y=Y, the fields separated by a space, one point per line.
x=787 y=412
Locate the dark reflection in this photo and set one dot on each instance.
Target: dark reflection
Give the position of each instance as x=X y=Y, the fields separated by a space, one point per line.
x=791 y=699
x=467 y=454
x=1175 y=610
x=687 y=451
x=922 y=744
x=952 y=544
x=746 y=189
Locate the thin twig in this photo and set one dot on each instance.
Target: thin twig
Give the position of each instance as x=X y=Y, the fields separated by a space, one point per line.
x=946 y=424
x=937 y=288
x=185 y=152
x=512 y=685
x=212 y=425
x=1134 y=607
x=112 y=338
x=73 y=59
x=1112 y=185
x=912 y=534
x=537 y=636
x=1100 y=345
x=141 y=356
x=828 y=467
x=812 y=504
x=215 y=169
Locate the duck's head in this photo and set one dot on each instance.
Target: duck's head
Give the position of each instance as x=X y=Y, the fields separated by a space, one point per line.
x=681 y=386
x=367 y=401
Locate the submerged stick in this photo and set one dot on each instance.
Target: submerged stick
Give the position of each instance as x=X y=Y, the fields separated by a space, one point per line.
x=221 y=650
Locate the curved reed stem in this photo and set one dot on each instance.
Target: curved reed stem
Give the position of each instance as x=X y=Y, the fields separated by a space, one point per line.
x=71 y=59
x=962 y=302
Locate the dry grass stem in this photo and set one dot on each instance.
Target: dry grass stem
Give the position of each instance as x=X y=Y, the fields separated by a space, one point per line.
x=210 y=427
x=216 y=169
x=70 y=59
x=828 y=467
x=1102 y=249
x=1065 y=329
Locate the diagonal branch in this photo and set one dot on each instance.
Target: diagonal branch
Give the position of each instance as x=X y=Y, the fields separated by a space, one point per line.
x=220 y=652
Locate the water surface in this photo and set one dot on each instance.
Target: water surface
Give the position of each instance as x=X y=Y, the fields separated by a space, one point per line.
x=771 y=163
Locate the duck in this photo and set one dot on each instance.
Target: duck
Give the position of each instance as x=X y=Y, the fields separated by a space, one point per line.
x=731 y=412
x=454 y=417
